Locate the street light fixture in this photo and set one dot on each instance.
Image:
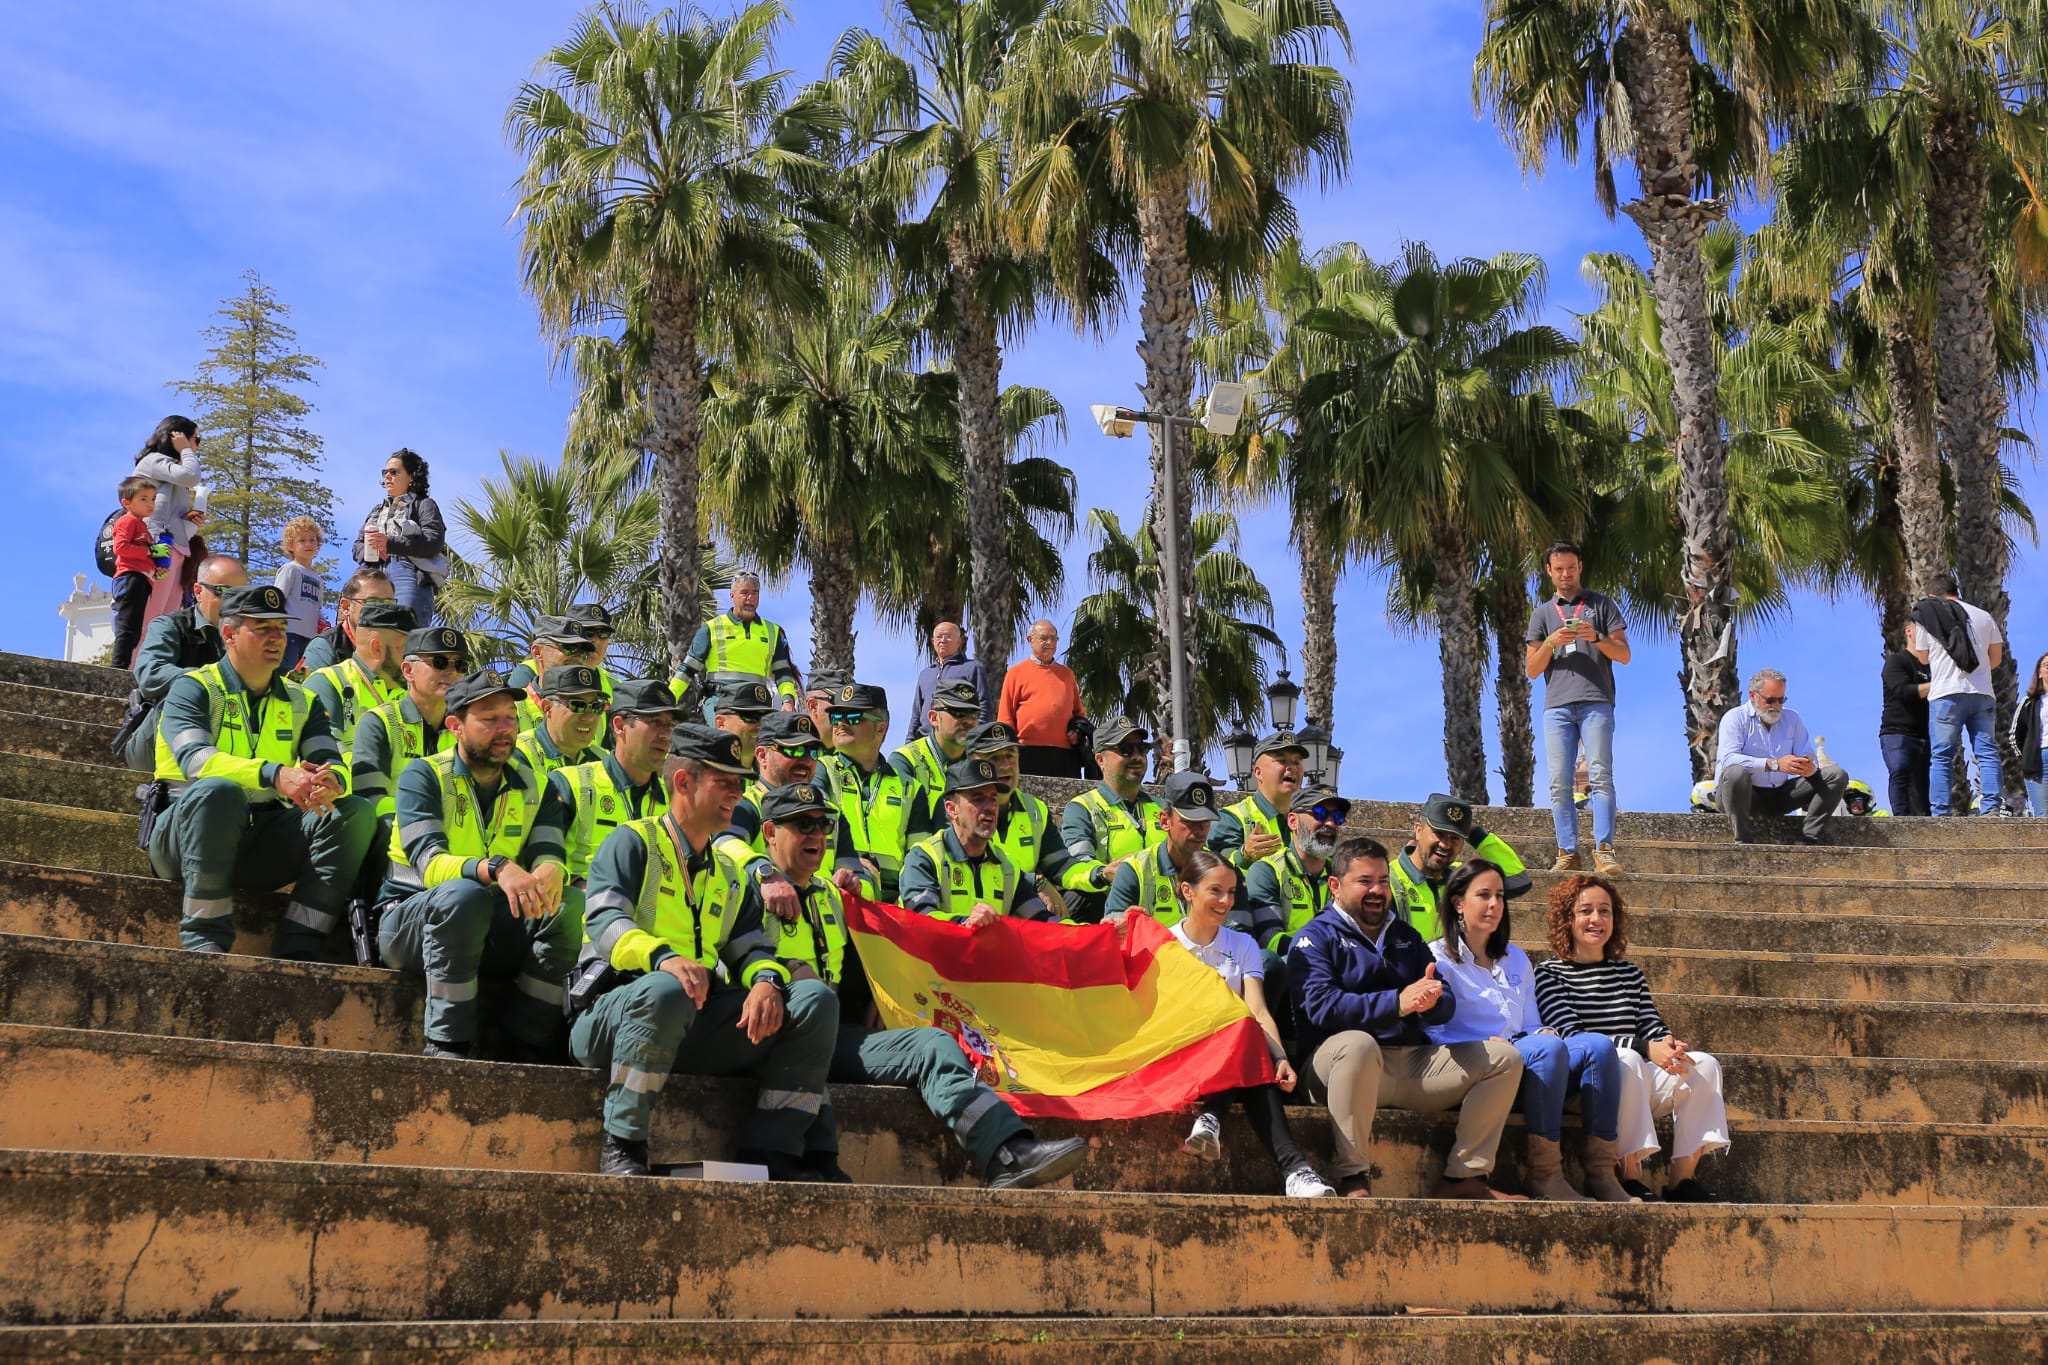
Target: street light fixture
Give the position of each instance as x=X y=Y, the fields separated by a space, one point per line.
x=1315 y=742
x=1224 y=408
x=1281 y=697
x=1335 y=761
x=1238 y=748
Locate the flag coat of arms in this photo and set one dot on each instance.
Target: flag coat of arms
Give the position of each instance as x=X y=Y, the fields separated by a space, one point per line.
x=1065 y=1020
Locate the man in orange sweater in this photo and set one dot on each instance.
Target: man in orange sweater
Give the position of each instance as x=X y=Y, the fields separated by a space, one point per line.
x=1041 y=702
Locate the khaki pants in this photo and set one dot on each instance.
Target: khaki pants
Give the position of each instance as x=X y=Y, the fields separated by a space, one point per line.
x=1359 y=1075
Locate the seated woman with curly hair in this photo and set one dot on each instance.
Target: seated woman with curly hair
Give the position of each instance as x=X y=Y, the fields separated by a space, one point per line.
x=1590 y=987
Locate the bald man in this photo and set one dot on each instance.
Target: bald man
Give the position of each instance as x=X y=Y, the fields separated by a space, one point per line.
x=1041 y=701
x=949 y=650
x=175 y=644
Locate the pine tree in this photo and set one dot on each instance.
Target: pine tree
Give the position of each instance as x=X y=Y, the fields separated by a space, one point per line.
x=260 y=460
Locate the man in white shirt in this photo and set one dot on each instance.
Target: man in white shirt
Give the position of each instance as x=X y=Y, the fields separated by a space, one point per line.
x=1765 y=761
x=1959 y=700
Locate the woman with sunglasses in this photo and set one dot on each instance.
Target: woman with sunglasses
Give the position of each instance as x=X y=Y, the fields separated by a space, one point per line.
x=1208 y=891
x=406 y=537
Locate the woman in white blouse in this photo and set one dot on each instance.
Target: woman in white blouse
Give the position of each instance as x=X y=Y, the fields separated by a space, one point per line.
x=1207 y=893
x=1495 y=987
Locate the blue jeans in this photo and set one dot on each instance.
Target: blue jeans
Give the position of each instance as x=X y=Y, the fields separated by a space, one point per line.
x=1905 y=758
x=1947 y=720
x=413 y=589
x=2037 y=794
x=1554 y=1067
x=1564 y=728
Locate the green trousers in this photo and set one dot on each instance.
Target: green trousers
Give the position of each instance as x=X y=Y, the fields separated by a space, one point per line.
x=930 y=1062
x=642 y=1032
x=215 y=841
x=459 y=933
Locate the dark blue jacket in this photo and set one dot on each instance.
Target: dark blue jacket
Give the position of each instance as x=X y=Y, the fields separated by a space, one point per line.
x=1340 y=982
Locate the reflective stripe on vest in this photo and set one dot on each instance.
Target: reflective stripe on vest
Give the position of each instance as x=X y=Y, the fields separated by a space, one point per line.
x=1250 y=818
x=1156 y=891
x=227 y=720
x=1021 y=833
x=358 y=697
x=930 y=769
x=600 y=808
x=823 y=921
x=512 y=816
x=877 y=823
x=735 y=648
x=689 y=916
x=406 y=747
x=994 y=882
x=1295 y=884
x=1117 y=833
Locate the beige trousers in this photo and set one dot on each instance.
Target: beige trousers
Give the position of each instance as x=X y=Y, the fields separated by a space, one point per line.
x=1478 y=1079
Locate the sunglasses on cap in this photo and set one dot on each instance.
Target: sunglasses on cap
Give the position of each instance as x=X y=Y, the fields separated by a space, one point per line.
x=444 y=663
x=804 y=751
x=807 y=824
x=590 y=706
x=846 y=717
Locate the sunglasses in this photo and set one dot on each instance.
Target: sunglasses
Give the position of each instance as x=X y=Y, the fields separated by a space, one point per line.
x=1326 y=815
x=444 y=663
x=597 y=706
x=577 y=651
x=960 y=715
x=804 y=751
x=1771 y=701
x=807 y=824
x=391 y=473
x=597 y=636
x=846 y=717
x=1133 y=749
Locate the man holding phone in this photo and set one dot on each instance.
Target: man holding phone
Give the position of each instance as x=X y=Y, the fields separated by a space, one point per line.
x=1575 y=639
x=1767 y=762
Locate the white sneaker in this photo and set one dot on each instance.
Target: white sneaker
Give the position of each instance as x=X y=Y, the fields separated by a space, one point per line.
x=1304 y=1183
x=1206 y=1141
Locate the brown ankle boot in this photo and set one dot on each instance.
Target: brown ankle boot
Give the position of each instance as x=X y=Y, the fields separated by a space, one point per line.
x=1546 y=1173
x=1601 y=1181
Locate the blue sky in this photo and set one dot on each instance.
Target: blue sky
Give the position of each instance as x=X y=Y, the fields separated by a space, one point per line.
x=354 y=156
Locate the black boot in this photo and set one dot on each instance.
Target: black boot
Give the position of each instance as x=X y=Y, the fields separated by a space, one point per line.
x=781 y=1165
x=1024 y=1162
x=825 y=1166
x=622 y=1156
x=457 y=1051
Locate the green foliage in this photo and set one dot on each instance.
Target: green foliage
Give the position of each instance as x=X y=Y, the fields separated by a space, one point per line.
x=260 y=461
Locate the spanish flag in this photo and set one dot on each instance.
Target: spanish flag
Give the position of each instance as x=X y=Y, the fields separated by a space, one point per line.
x=1063 y=1019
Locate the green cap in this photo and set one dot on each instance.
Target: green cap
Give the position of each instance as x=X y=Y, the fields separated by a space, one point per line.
x=435 y=640
x=718 y=750
x=958 y=695
x=793 y=729
x=571 y=680
x=1308 y=798
x=381 y=613
x=642 y=697
x=471 y=688
x=1448 y=815
x=1191 y=796
x=792 y=798
x=972 y=774
x=742 y=698
x=991 y=738
x=254 y=602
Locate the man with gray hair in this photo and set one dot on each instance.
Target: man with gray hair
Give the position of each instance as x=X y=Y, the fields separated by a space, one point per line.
x=740 y=645
x=1766 y=762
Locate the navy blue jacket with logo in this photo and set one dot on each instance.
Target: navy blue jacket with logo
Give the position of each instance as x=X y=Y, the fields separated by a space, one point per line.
x=1340 y=982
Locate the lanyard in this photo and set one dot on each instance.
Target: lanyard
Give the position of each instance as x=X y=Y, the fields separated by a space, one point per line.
x=1577 y=608
x=685 y=882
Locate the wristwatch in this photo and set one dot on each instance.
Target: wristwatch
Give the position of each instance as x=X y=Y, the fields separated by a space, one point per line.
x=781 y=986
x=493 y=866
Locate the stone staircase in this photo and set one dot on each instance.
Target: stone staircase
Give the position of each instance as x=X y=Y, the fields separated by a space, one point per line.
x=235 y=1158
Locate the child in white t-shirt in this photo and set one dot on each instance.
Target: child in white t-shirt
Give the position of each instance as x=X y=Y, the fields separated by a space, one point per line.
x=304 y=594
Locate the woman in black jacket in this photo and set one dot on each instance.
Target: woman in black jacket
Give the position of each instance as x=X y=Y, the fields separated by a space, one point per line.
x=2029 y=734
x=406 y=537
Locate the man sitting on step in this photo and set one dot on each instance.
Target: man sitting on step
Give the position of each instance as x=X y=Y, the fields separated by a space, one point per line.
x=675 y=975
x=370 y=676
x=796 y=822
x=599 y=796
x=175 y=644
x=330 y=647
x=554 y=641
x=959 y=874
x=476 y=881
x=1150 y=880
x=786 y=749
x=1765 y=761
x=1444 y=829
x=738 y=708
x=1250 y=829
x=1283 y=891
x=260 y=798
x=573 y=705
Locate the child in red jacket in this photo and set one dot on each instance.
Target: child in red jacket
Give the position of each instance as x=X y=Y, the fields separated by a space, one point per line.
x=136 y=566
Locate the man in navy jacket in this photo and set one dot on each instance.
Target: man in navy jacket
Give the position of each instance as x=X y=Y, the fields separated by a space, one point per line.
x=1366 y=986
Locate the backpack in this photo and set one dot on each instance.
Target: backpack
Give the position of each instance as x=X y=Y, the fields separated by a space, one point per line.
x=103 y=550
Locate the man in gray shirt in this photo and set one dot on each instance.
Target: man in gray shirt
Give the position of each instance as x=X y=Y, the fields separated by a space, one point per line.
x=1576 y=637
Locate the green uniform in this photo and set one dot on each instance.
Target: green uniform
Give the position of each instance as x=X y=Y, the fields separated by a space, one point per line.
x=1148 y=883
x=220 y=750
x=922 y=766
x=1283 y=896
x=441 y=923
x=348 y=693
x=1237 y=822
x=388 y=738
x=940 y=880
x=652 y=896
x=727 y=649
x=925 y=1058
x=746 y=829
x=1022 y=835
x=174 y=645
x=1416 y=897
x=596 y=799
x=874 y=810
x=537 y=747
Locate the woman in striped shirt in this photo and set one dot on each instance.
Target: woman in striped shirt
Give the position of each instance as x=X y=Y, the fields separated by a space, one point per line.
x=1590 y=987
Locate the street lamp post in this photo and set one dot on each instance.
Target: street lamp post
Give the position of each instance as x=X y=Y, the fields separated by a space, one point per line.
x=1225 y=406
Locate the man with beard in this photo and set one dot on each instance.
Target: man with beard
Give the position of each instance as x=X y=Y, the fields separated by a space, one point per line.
x=816 y=946
x=1147 y=881
x=958 y=873
x=1250 y=830
x=1365 y=986
x=259 y=791
x=1283 y=891
x=922 y=763
x=1442 y=831
x=370 y=676
x=572 y=704
x=476 y=881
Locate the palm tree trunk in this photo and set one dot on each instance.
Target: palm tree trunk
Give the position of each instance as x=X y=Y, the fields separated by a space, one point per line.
x=1972 y=395
x=675 y=399
x=1657 y=62
x=1463 y=660
x=834 y=594
x=1909 y=392
x=1507 y=611
x=1166 y=318
x=977 y=366
x=1318 y=620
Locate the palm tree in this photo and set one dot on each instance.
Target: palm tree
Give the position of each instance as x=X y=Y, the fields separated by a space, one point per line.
x=1117 y=650
x=543 y=537
x=1688 y=91
x=820 y=440
x=657 y=152
x=926 y=123
x=1452 y=443
x=1199 y=115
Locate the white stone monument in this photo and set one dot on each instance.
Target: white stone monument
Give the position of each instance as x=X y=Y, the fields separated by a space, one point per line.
x=88 y=621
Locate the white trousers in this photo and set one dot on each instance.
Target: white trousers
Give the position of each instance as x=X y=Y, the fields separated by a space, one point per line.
x=1699 y=1117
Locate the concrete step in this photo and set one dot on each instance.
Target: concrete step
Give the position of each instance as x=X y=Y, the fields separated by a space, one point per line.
x=1530 y=831
x=1884 y=1090
x=89 y=1238
x=80 y=1090
x=1740 y=932
x=68 y=786
x=1855 y=1028
x=1840 y=897
x=58 y=836
x=60 y=676
x=76 y=741
x=1410 y=1338
x=29 y=700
